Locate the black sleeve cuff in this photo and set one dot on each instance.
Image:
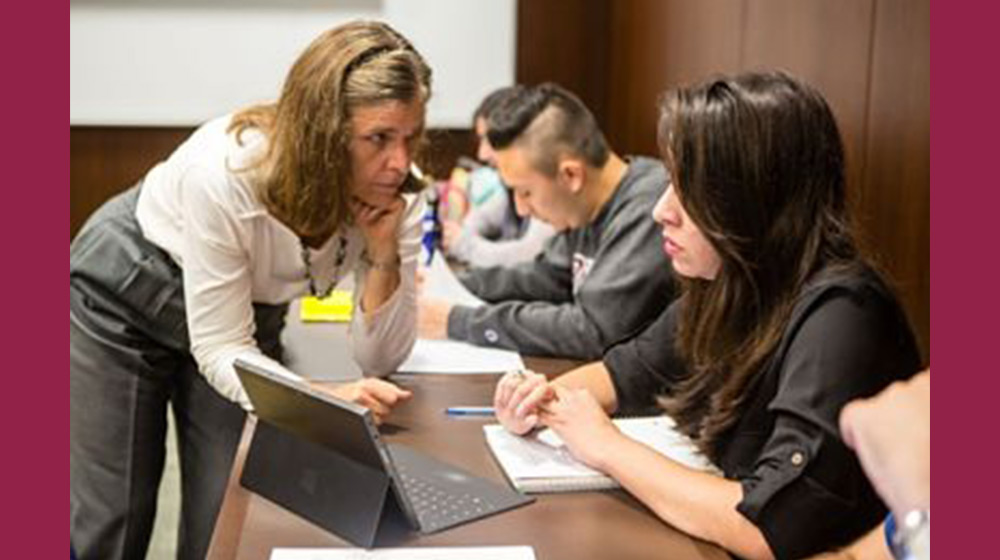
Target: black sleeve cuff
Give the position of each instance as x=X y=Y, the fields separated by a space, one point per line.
x=806 y=493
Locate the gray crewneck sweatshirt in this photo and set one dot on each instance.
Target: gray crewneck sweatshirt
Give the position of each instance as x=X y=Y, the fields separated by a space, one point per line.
x=591 y=286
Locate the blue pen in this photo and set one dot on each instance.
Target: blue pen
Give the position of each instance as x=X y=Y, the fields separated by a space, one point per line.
x=469 y=411
x=431 y=227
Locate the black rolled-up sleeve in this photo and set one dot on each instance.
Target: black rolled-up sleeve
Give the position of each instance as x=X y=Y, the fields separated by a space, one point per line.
x=647 y=365
x=806 y=491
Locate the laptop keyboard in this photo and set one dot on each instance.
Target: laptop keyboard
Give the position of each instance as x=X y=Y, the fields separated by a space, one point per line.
x=437 y=507
x=442 y=495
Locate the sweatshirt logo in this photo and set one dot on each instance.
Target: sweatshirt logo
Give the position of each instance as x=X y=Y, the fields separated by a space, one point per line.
x=581 y=268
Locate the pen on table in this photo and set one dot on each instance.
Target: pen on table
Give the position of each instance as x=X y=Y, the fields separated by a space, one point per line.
x=469 y=411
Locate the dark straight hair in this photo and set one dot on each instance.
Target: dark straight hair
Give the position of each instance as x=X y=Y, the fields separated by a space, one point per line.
x=758 y=164
x=550 y=121
x=492 y=101
x=483 y=111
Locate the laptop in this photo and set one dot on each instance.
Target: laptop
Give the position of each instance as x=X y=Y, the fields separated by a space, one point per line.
x=324 y=459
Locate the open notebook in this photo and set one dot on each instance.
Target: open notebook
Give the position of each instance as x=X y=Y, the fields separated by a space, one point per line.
x=541 y=463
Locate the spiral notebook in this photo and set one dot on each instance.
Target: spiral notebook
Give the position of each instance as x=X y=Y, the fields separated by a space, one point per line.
x=541 y=463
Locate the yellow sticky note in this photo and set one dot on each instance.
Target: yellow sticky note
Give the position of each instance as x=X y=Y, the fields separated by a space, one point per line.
x=335 y=308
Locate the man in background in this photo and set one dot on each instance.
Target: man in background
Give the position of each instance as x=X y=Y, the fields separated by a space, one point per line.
x=603 y=276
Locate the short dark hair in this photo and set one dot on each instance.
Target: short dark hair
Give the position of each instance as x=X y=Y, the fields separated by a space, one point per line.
x=564 y=124
x=492 y=101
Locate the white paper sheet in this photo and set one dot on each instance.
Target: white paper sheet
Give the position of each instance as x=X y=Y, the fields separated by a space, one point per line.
x=456 y=553
x=441 y=283
x=451 y=356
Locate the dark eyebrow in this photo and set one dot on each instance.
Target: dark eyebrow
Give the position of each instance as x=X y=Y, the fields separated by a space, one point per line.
x=380 y=130
x=390 y=130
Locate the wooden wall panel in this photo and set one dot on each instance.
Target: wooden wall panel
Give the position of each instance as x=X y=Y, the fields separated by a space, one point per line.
x=896 y=206
x=106 y=160
x=566 y=41
x=659 y=44
x=870 y=58
x=827 y=44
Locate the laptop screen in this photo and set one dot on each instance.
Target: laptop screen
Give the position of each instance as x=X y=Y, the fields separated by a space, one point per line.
x=314 y=415
x=348 y=457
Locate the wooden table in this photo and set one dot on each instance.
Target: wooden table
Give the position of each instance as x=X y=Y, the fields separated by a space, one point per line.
x=575 y=526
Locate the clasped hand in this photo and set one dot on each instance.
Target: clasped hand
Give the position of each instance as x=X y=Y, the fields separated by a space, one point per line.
x=525 y=400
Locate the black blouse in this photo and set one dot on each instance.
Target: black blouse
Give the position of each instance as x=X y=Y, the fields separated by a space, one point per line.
x=802 y=487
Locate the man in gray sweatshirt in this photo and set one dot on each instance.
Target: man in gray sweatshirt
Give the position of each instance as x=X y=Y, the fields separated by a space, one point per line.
x=603 y=276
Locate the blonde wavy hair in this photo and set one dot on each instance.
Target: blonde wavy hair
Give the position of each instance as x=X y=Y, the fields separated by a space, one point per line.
x=303 y=173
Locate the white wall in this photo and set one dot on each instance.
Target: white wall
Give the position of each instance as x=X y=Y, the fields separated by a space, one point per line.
x=181 y=62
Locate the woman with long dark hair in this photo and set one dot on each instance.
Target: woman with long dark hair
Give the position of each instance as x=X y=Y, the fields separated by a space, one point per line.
x=780 y=323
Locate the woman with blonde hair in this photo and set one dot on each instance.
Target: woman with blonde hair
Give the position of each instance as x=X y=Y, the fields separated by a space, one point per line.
x=192 y=268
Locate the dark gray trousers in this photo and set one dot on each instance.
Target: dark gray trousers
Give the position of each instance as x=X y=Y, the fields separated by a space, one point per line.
x=129 y=360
